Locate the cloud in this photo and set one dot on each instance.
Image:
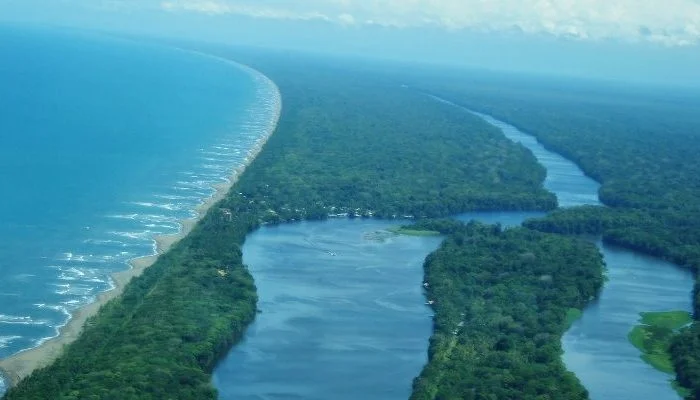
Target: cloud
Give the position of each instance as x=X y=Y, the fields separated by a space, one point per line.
x=252 y=9
x=668 y=22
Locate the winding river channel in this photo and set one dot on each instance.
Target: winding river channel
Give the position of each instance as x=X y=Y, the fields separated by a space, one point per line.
x=343 y=314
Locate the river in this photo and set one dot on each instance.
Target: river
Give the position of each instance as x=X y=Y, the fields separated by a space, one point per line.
x=596 y=347
x=343 y=313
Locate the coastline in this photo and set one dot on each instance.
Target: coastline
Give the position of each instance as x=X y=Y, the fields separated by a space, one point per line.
x=20 y=365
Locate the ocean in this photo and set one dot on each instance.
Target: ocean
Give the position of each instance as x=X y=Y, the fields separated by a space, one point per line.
x=106 y=143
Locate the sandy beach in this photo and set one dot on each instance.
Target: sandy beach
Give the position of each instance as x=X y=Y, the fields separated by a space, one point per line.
x=18 y=366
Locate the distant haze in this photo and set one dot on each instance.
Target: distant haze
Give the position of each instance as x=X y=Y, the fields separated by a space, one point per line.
x=628 y=40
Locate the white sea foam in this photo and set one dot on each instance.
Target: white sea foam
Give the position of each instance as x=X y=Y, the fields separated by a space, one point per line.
x=215 y=167
x=20 y=320
x=124 y=216
x=138 y=235
x=105 y=242
x=80 y=290
x=79 y=284
x=57 y=328
x=164 y=206
x=208 y=176
x=176 y=197
x=83 y=258
x=162 y=226
x=6 y=340
x=110 y=283
x=58 y=308
x=198 y=184
x=63 y=288
x=157 y=218
x=201 y=191
x=79 y=281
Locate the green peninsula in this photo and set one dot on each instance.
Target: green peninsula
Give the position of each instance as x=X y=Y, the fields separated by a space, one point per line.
x=653 y=337
x=501 y=300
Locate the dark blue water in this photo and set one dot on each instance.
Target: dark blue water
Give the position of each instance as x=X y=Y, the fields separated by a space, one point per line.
x=105 y=143
x=344 y=316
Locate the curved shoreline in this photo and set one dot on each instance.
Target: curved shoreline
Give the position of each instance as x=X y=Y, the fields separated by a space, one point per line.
x=20 y=365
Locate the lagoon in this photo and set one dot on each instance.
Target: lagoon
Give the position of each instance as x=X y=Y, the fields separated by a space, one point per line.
x=344 y=316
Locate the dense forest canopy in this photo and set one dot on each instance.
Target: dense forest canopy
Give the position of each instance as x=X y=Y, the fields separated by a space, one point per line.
x=640 y=143
x=501 y=300
x=359 y=140
x=401 y=153
x=349 y=141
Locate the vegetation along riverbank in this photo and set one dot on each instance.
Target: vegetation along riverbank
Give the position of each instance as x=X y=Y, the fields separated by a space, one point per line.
x=502 y=299
x=640 y=143
x=349 y=143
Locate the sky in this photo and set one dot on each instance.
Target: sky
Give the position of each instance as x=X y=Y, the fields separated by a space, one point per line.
x=636 y=40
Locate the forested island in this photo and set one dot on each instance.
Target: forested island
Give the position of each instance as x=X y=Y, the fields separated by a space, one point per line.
x=640 y=143
x=502 y=300
x=349 y=143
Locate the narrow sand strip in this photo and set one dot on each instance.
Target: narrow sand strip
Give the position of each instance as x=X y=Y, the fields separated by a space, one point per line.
x=21 y=365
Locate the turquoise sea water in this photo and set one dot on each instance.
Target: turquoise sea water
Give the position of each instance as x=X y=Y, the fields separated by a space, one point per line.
x=105 y=144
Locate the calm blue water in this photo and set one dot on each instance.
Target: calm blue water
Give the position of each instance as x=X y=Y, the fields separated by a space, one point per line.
x=105 y=143
x=596 y=347
x=344 y=317
x=343 y=314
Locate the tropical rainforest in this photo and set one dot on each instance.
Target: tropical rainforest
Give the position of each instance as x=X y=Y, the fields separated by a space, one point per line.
x=349 y=142
x=641 y=143
x=501 y=300
x=358 y=140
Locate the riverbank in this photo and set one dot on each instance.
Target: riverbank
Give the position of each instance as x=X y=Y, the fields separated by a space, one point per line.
x=501 y=300
x=314 y=279
x=654 y=334
x=22 y=364
x=167 y=333
x=599 y=331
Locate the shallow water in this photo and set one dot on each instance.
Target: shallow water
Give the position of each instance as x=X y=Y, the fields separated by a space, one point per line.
x=596 y=347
